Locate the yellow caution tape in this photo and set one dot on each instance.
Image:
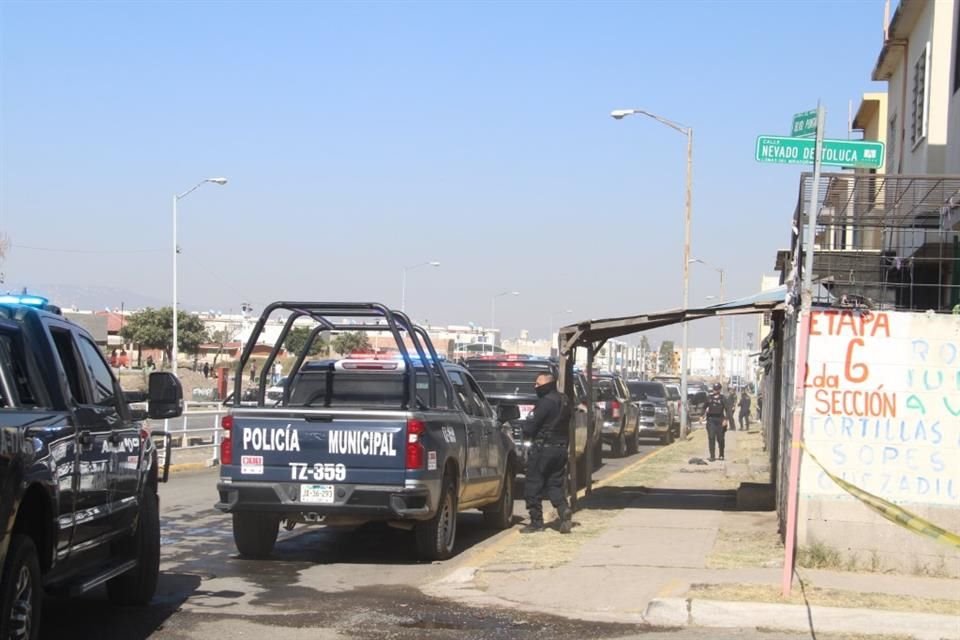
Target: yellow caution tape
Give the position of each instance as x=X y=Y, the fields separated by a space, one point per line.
x=890 y=511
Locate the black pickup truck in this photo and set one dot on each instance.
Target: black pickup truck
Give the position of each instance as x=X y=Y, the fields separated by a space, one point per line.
x=78 y=473
x=395 y=436
x=508 y=379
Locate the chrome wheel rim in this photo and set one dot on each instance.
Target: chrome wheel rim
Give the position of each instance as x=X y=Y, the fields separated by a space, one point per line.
x=21 y=611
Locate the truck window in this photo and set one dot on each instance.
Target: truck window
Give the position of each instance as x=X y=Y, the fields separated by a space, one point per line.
x=68 y=358
x=463 y=393
x=12 y=352
x=481 y=404
x=101 y=379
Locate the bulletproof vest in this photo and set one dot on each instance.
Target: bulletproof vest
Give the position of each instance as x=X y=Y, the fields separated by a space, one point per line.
x=715 y=405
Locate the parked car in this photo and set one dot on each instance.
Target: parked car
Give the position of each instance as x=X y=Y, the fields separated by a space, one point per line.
x=697 y=393
x=673 y=401
x=79 y=473
x=655 y=418
x=619 y=412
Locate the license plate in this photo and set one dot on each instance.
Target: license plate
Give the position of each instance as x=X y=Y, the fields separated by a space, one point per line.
x=316 y=493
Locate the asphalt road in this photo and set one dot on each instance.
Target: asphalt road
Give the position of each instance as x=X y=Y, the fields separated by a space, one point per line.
x=318 y=584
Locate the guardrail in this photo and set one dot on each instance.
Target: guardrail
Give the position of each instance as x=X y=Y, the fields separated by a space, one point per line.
x=197 y=428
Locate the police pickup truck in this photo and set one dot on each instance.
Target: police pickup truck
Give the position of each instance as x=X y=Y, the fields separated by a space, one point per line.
x=395 y=436
x=78 y=473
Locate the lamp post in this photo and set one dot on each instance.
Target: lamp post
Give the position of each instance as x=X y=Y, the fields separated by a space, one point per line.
x=620 y=114
x=493 y=310
x=723 y=323
x=403 y=290
x=552 y=316
x=176 y=249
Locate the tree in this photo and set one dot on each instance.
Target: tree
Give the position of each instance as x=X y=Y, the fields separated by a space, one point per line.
x=153 y=329
x=297 y=340
x=666 y=355
x=219 y=338
x=351 y=341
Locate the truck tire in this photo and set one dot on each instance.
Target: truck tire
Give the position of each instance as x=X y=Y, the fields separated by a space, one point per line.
x=619 y=446
x=633 y=443
x=21 y=591
x=499 y=515
x=436 y=536
x=136 y=587
x=254 y=533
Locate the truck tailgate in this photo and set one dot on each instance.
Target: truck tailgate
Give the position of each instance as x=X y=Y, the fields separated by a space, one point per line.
x=360 y=450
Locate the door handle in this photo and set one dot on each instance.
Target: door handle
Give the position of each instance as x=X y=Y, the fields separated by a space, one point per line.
x=86 y=438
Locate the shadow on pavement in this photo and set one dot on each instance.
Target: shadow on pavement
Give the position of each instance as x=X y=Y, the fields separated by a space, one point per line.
x=612 y=497
x=93 y=615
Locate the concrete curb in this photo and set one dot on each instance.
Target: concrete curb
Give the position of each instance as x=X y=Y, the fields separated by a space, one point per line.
x=680 y=612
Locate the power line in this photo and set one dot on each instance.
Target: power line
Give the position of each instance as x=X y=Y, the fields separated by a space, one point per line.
x=90 y=251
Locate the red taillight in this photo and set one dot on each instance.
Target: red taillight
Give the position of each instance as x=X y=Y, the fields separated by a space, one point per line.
x=415 y=429
x=615 y=407
x=510 y=364
x=226 y=440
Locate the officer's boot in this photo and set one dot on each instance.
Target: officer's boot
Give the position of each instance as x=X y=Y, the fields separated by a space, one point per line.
x=535 y=526
x=566 y=521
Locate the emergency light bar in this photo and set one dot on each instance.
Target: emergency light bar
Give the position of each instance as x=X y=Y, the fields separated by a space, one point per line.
x=24 y=299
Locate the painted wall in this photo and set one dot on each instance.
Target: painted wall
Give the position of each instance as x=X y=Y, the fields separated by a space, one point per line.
x=882 y=411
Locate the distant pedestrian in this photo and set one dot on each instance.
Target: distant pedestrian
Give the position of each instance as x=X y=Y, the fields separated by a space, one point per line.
x=194 y=368
x=123 y=360
x=206 y=370
x=277 y=372
x=150 y=362
x=744 y=411
x=716 y=420
x=253 y=370
x=113 y=358
x=731 y=405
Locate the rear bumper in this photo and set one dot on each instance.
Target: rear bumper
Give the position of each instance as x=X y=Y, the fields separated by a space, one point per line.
x=416 y=501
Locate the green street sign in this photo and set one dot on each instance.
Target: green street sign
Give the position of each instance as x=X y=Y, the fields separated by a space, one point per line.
x=862 y=154
x=804 y=124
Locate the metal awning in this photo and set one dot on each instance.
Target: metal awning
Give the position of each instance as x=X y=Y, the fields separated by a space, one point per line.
x=592 y=331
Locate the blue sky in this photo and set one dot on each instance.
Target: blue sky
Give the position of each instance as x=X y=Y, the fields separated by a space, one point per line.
x=359 y=138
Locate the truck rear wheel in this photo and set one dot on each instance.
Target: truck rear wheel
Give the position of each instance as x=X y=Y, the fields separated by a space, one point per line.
x=21 y=591
x=499 y=515
x=619 y=446
x=136 y=587
x=255 y=533
x=436 y=536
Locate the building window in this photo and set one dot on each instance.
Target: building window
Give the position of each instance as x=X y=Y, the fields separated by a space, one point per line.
x=918 y=121
x=956 y=56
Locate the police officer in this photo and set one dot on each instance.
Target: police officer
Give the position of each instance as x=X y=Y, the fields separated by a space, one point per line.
x=547 y=465
x=716 y=420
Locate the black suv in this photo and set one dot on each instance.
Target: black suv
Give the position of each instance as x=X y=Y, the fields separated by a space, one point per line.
x=78 y=474
x=509 y=380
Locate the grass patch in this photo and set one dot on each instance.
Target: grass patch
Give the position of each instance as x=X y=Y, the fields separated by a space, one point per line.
x=820 y=556
x=824 y=598
x=746 y=540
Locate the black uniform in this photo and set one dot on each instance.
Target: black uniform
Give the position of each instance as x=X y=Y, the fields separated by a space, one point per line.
x=744 y=412
x=716 y=414
x=548 y=428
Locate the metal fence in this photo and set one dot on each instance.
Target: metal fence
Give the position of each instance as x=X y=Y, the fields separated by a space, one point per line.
x=883 y=241
x=197 y=429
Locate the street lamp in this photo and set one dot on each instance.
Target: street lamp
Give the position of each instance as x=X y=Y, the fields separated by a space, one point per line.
x=620 y=114
x=403 y=290
x=493 y=309
x=176 y=249
x=552 y=316
x=723 y=323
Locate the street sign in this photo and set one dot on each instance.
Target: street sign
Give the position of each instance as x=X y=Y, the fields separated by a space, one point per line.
x=804 y=124
x=862 y=154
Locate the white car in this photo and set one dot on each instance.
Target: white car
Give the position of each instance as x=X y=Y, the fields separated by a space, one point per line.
x=275 y=392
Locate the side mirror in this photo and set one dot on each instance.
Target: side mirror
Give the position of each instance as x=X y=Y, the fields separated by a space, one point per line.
x=508 y=412
x=165 y=396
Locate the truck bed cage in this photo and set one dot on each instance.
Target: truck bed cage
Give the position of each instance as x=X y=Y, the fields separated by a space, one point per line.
x=326 y=314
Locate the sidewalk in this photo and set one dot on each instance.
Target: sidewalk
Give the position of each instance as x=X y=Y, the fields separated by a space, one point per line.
x=662 y=542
